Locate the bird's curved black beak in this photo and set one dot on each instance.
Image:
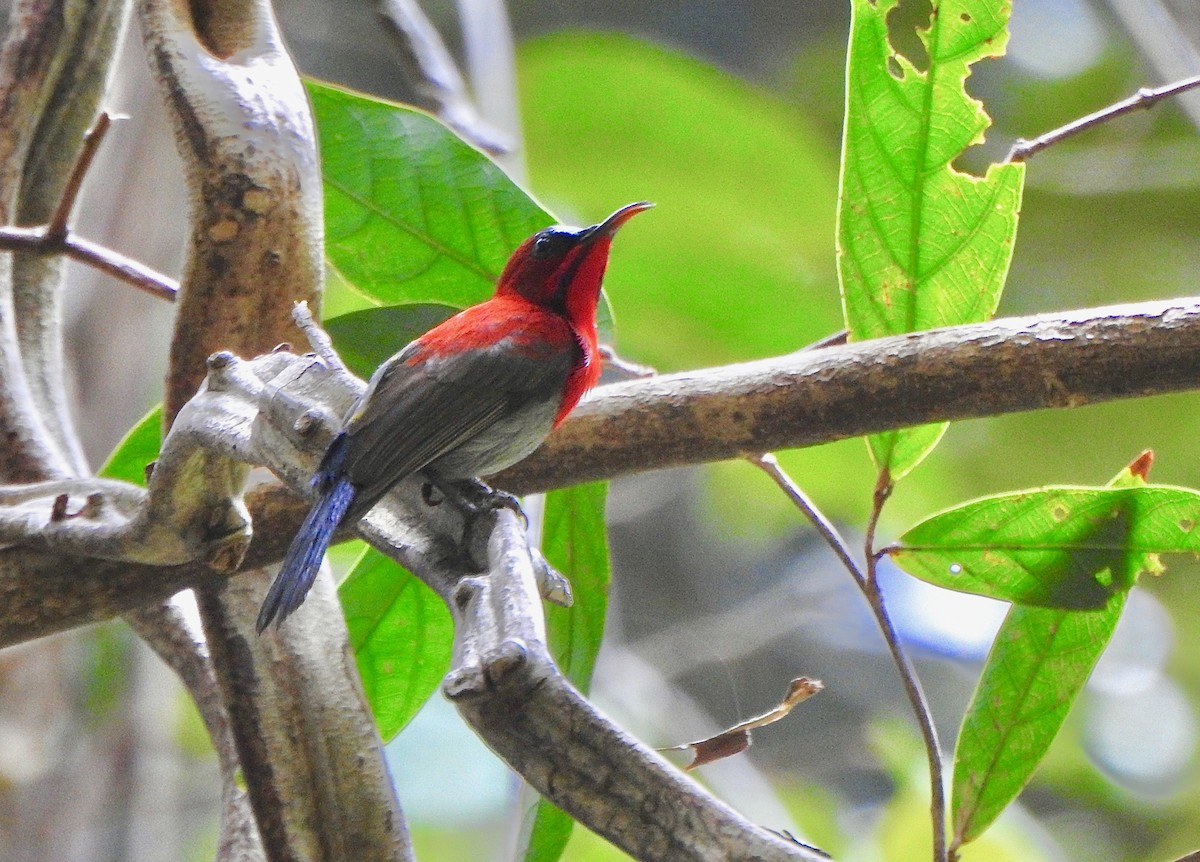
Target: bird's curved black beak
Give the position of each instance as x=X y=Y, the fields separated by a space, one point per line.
x=609 y=226
x=589 y=241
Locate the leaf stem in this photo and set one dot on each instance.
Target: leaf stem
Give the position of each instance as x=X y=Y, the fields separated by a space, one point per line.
x=39 y=240
x=908 y=673
x=868 y=583
x=769 y=464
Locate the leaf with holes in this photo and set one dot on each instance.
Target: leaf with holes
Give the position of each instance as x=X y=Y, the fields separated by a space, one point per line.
x=1059 y=547
x=920 y=243
x=1039 y=663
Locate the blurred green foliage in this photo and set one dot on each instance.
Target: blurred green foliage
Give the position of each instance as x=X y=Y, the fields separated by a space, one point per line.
x=736 y=260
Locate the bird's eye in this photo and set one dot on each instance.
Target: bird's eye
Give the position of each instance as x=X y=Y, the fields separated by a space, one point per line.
x=550 y=243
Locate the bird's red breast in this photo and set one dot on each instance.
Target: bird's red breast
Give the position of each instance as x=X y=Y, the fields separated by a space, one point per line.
x=513 y=325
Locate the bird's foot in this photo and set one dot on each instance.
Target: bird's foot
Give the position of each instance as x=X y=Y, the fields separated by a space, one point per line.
x=473 y=498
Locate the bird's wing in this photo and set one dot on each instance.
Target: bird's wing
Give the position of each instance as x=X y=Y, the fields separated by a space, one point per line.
x=426 y=401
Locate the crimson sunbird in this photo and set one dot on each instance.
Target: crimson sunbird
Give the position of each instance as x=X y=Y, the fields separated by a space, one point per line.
x=470 y=397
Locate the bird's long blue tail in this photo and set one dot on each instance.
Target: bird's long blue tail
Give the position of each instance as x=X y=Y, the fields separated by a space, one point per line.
x=303 y=561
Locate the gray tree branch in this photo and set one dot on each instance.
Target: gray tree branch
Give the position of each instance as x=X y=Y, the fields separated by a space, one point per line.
x=280 y=409
x=40 y=241
x=817 y=396
x=439 y=85
x=80 y=550
x=248 y=409
x=284 y=407
x=30 y=64
x=54 y=69
x=83 y=67
x=507 y=687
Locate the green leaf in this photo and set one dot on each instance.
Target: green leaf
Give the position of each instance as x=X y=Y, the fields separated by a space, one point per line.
x=401 y=634
x=104 y=668
x=575 y=542
x=136 y=451
x=892 y=450
x=920 y=244
x=1037 y=667
x=1059 y=547
x=412 y=212
x=1039 y=663
x=365 y=339
x=549 y=833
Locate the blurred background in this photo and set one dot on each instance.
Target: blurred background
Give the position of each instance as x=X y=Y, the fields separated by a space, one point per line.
x=727 y=115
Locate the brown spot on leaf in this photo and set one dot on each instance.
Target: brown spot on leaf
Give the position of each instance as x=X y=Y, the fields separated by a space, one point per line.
x=1141 y=465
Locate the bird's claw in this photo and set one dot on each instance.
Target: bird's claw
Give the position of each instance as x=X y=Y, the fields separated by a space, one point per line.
x=504 y=500
x=474 y=498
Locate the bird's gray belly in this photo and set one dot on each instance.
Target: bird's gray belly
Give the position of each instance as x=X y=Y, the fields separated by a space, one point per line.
x=503 y=444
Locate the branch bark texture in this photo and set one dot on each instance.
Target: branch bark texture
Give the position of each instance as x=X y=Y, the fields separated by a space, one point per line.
x=796 y=400
x=279 y=410
x=54 y=66
x=818 y=396
x=508 y=689
x=246 y=135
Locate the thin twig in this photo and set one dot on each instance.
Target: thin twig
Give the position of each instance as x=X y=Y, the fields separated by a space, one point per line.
x=38 y=241
x=882 y=493
x=123 y=268
x=614 y=361
x=869 y=585
x=56 y=228
x=55 y=236
x=1146 y=97
x=318 y=338
x=833 y=339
